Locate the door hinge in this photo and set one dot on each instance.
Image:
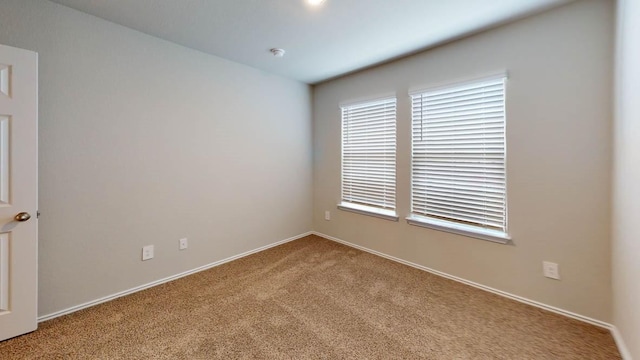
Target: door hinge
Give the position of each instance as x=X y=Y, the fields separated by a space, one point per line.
x=37 y=214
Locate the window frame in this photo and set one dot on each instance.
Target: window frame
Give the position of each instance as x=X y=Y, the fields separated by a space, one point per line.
x=457 y=227
x=387 y=213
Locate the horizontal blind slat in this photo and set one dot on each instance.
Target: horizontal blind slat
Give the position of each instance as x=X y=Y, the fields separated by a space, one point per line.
x=369 y=153
x=458 y=145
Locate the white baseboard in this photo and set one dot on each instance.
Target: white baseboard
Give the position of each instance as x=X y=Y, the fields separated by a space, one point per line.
x=167 y=279
x=476 y=285
x=622 y=347
x=624 y=352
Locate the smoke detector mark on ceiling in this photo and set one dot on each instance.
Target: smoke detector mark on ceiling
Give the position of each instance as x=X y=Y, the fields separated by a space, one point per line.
x=277 y=52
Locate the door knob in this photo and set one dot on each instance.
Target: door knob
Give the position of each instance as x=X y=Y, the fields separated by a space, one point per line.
x=23 y=216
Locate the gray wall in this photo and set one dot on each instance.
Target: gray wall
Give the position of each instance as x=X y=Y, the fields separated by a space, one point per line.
x=144 y=142
x=626 y=199
x=559 y=157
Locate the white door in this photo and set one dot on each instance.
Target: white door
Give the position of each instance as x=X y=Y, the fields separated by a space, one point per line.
x=18 y=191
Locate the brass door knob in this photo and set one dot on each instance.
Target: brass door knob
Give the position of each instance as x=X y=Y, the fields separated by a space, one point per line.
x=23 y=216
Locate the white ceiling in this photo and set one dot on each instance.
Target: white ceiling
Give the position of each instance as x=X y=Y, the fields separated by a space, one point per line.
x=336 y=38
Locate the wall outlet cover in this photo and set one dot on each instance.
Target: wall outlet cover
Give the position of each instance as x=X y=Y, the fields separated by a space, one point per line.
x=550 y=270
x=183 y=244
x=147 y=252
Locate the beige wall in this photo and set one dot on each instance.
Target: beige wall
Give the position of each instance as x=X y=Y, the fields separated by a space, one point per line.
x=144 y=142
x=559 y=157
x=626 y=199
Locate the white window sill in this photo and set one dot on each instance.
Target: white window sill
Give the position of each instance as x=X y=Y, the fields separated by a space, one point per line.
x=369 y=210
x=460 y=229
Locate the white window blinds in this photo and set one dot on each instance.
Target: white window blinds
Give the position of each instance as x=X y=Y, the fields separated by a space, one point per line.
x=369 y=154
x=458 y=154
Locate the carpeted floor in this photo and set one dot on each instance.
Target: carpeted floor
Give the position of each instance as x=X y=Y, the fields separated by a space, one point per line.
x=312 y=299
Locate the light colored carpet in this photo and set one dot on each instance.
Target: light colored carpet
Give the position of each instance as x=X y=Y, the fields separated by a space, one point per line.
x=312 y=299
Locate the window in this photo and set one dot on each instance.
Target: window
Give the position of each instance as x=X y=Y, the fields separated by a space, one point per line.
x=458 y=181
x=369 y=158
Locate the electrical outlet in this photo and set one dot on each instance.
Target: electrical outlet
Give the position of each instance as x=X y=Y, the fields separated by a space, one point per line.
x=327 y=215
x=550 y=270
x=147 y=252
x=182 y=244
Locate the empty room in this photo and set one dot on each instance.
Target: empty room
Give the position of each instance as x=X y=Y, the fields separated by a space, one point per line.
x=319 y=179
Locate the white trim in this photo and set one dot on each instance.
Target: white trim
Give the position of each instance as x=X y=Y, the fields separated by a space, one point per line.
x=624 y=352
x=369 y=210
x=474 y=284
x=622 y=347
x=368 y=99
x=460 y=229
x=466 y=81
x=165 y=280
x=621 y=22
